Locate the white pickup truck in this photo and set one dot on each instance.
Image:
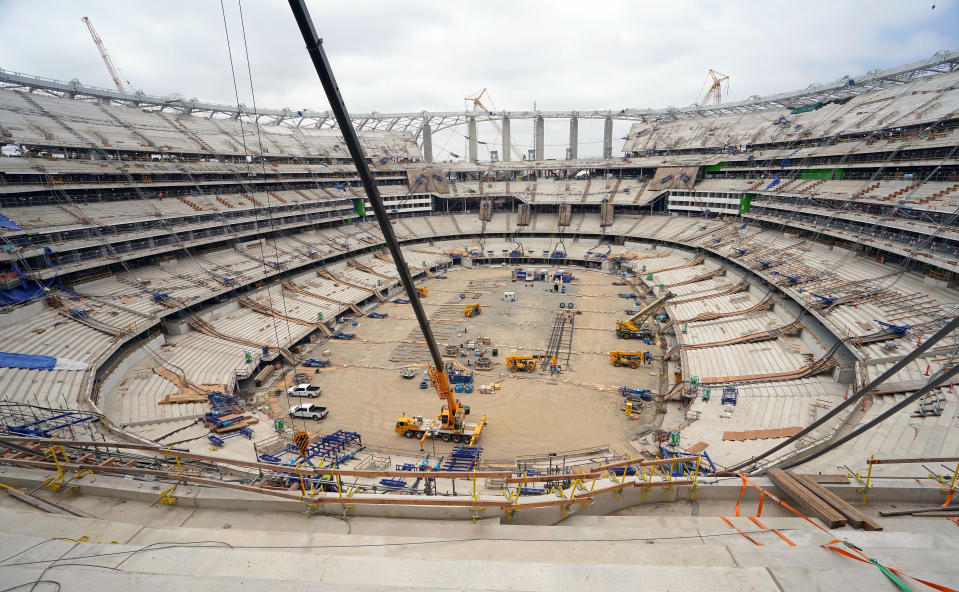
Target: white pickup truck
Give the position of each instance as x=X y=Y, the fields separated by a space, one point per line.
x=304 y=390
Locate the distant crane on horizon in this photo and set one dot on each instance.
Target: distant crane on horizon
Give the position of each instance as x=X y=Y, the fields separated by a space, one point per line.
x=106 y=56
x=717 y=89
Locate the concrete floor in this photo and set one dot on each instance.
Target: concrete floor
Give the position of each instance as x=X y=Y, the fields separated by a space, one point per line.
x=531 y=414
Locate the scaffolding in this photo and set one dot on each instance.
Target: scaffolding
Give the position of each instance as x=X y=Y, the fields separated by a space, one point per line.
x=561 y=339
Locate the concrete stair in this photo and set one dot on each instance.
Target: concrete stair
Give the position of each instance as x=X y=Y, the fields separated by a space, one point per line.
x=586 y=552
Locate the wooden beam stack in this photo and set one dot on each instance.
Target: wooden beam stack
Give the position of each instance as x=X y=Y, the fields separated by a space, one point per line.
x=819 y=502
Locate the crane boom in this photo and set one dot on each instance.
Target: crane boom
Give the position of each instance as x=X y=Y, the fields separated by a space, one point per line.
x=452 y=414
x=633 y=326
x=479 y=106
x=716 y=89
x=103 y=54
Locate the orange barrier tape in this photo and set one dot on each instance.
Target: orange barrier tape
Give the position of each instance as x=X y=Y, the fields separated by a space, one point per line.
x=949 y=496
x=741 y=492
x=860 y=556
x=740 y=531
x=763 y=526
x=764 y=492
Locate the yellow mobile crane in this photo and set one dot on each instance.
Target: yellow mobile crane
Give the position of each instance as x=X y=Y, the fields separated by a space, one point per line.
x=450 y=424
x=632 y=328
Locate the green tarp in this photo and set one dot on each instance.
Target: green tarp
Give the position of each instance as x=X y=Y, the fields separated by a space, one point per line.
x=828 y=174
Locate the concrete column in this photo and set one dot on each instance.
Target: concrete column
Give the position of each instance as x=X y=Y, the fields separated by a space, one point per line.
x=427 y=142
x=471 y=132
x=608 y=138
x=507 y=152
x=573 y=137
x=540 y=131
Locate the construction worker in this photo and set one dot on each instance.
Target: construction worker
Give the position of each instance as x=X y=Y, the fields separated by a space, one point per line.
x=647 y=358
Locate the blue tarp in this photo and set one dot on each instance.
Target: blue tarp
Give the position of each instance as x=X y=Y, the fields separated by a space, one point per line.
x=27 y=361
x=9 y=224
x=20 y=295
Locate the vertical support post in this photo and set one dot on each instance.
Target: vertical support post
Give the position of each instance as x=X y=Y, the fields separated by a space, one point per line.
x=506 y=154
x=867 y=485
x=695 y=485
x=539 y=133
x=573 y=137
x=427 y=141
x=471 y=132
x=608 y=137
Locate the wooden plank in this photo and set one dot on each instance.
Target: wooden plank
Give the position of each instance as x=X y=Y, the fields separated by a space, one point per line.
x=762 y=434
x=829 y=478
x=893 y=461
x=856 y=518
x=921 y=511
x=805 y=499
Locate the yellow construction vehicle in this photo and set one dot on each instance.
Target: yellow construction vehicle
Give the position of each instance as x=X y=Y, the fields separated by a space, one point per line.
x=423 y=292
x=626 y=358
x=471 y=310
x=527 y=363
x=450 y=424
x=632 y=328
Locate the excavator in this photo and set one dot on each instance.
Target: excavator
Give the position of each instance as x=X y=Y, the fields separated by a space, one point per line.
x=450 y=424
x=472 y=310
x=527 y=363
x=633 y=327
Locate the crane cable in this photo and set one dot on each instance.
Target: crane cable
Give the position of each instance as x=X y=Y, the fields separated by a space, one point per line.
x=247 y=158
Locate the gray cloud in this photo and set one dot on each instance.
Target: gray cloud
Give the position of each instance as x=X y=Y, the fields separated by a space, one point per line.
x=402 y=56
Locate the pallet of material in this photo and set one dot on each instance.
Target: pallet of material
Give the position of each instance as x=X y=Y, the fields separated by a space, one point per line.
x=263 y=374
x=183 y=397
x=761 y=434
x=810 y=503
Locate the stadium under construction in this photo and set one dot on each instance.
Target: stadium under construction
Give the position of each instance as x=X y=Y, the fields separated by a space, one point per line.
x=735 y=338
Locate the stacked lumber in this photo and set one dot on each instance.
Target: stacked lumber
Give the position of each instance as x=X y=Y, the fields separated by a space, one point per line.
x=817 y=501
x=188 y=392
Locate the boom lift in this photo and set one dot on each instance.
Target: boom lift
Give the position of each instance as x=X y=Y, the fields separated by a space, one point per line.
x=626 y=358
x=449 y=423
x=527 y=363
x=632 y=328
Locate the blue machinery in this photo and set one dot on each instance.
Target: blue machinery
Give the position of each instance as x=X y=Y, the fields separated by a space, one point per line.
x=49 y=426
x=332 y=447
x=896 y=329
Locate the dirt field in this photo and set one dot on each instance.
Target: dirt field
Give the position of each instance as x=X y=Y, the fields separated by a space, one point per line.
x=531 y=413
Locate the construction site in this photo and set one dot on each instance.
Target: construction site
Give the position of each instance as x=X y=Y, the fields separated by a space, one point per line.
x=233 y=338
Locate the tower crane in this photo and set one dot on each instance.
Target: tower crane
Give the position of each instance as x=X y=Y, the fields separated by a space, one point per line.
x=716 y=89
x=106 y=56
x=477 y=101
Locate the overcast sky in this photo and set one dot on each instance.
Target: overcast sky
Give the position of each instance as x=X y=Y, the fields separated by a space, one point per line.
x=411 y=56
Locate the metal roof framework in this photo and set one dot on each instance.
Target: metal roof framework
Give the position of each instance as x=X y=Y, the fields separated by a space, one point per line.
x=941 y=62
